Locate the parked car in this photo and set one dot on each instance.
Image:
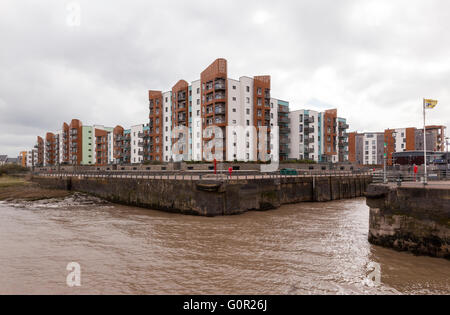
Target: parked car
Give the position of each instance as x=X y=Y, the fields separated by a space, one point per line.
x=288 y=171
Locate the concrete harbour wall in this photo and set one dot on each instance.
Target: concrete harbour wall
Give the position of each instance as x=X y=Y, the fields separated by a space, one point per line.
x=213 y=198
x=414 y=218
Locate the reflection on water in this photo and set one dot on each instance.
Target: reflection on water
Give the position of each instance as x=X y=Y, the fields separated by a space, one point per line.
x=308 y=248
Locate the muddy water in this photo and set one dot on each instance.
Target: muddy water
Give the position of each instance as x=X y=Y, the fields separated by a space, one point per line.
x=309 y=248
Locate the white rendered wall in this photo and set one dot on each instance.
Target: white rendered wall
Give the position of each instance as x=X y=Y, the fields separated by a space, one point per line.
x=135 y=148
x=196 y=126
x=167 y=126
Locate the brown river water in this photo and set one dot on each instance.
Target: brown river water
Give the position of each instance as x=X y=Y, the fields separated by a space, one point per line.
x=308 y=248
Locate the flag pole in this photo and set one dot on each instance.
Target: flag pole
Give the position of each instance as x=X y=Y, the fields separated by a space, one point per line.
x=425 y=179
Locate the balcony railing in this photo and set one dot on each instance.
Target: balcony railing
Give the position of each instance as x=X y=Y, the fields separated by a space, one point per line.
x=219 y=120
x=309 y=120
x=220 y=110
x=219 y=86
x=284 y=119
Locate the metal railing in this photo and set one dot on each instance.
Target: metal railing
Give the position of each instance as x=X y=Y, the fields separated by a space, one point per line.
x=198 y=175
x=405 y=176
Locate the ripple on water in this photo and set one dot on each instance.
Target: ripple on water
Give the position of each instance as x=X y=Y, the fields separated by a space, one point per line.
x=309 y=248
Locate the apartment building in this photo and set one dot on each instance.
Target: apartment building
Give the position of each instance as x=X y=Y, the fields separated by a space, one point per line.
x=137 y=144
x=203 y=119
x=282 y=113
x=40 y=151
x=399 y=140
x=23 y=158
x=366 y=148
x=435 y=138
x=369 y=148
x=32 y=158
x=51 y=149
x=318 y=136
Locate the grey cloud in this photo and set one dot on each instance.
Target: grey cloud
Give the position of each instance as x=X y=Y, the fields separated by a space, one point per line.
x=374 y=60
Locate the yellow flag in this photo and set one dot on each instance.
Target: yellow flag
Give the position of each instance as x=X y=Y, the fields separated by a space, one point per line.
x=430 y=104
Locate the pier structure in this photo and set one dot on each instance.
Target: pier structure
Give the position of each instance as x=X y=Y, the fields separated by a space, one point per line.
x=411 y=217
x=210 y=195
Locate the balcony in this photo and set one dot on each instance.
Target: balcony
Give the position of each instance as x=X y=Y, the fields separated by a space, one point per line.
x=219 y=110
x=219 y=96
x=208 y=86
x=219 y=120
x=181 y=118
x=181 y=106
x=284 y=119
x=344 y=126
x=309 y=120
x=219 y=86
x=181 y=96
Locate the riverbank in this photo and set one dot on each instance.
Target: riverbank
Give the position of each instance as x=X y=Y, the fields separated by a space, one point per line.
x=20 y=188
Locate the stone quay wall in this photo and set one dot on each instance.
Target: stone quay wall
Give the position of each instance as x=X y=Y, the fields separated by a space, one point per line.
x=210 y=197
x=413 y=218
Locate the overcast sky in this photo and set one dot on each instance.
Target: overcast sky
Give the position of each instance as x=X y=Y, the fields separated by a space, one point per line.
x=373 y=60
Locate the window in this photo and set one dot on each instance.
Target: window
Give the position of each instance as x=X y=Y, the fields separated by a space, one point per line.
x=300 y=128
x=198 y=90
x=234 y=122
x=248 y=100
x=247 y=111
x=259 y=91
x=301 y=117
x=248 y=89
x=234 y=99
x=234 y=87
x=234 y=110
x=248 y=122
x=198 y=112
